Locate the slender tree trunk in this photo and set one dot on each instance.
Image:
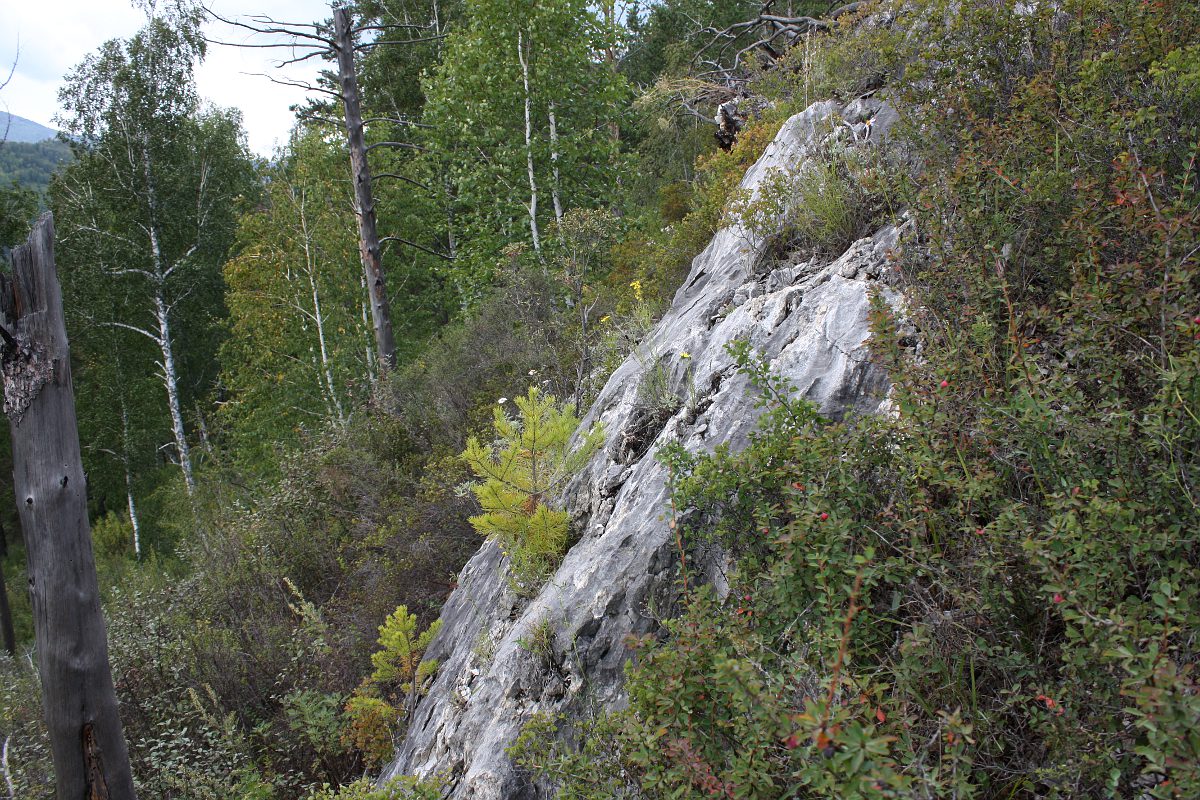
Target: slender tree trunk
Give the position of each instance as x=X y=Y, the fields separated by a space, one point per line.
x=162 y=314
x=133 y=515
x=6 y=622
x=533 y=190
x=366 y=327
x=555 y=187
x=170 y=376
x=91 y=760
x=364 y=203
x=318 y=316
x=451 y=243
x=8 y=781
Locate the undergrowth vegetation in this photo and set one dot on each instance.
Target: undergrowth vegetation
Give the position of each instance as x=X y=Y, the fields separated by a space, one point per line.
x=990 y=592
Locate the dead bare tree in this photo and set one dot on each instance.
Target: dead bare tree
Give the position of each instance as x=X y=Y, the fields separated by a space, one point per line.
x=771 y=34
x=90 y=756
x=720 y=61
x=311 y=40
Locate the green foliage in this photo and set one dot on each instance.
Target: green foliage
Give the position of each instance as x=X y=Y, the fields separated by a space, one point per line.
x=990 y=592
x=298 y=335
x=476 y=102
x=145 y=217
x=399 y=660
x=822 y=206
x=31 y=164
x=18 y=207
x=530 y=460
x=539 y=641
x=21 y=725
x=402 y=788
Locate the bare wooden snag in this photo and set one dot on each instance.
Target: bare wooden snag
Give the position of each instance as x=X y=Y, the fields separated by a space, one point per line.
x=91 y=759
x=364 y=202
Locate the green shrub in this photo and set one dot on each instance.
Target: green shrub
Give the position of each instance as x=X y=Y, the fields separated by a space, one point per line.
x=403 y=788
x=383 y=700
x=22 y=729
x=991 y=592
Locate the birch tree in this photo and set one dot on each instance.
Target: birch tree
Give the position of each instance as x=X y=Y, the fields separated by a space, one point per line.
x=148 y=209
x=299 y=328
x=521 y=107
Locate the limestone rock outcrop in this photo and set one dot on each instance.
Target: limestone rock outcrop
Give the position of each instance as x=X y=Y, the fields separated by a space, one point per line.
x=808 y=318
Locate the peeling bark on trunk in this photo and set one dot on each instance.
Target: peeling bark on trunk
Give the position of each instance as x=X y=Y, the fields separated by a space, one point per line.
x=364 y=203
x=91 y=760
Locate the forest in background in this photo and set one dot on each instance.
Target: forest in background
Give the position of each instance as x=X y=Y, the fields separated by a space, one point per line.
x=265 y=497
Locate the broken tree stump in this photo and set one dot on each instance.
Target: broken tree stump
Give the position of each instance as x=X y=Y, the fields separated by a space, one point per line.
x=91 y=760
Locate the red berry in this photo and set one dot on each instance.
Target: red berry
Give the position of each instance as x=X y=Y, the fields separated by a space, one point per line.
x=1058 y=598
x=979 y=531
x=824 y=516
x=944 y=384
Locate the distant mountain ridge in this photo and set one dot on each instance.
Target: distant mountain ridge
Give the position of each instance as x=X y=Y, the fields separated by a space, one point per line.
x=19 y=129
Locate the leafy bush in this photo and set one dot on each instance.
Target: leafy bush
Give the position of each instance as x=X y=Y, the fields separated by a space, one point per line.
x=27 y=772
x=397 y=789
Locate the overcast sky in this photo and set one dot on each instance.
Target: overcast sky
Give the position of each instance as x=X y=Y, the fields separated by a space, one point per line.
x=56 y=35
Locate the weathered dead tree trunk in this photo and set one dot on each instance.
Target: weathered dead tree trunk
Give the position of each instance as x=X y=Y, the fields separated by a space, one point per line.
x=91 y=760
x=364 y=202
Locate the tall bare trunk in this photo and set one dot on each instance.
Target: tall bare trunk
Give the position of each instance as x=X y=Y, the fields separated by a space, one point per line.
x=533 y=190
x=88 y=747
x=364 y=203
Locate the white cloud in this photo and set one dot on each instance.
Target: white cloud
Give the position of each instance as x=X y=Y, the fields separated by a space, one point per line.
x=51 y=44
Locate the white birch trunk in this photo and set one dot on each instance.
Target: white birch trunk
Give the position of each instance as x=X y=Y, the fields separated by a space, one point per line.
x=133 y=518
x=162 y=314
x=133 y=515
x=533 y=190
x=555 y=187
x=170 y=376
x=319 y=318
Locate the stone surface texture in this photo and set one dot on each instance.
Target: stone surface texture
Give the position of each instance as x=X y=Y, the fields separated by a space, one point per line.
x=808 y=318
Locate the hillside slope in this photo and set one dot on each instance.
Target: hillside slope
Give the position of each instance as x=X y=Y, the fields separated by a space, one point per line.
x=809 y=320
x=19 y=129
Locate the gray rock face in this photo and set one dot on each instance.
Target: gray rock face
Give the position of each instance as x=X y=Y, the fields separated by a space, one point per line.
x=809 y=319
